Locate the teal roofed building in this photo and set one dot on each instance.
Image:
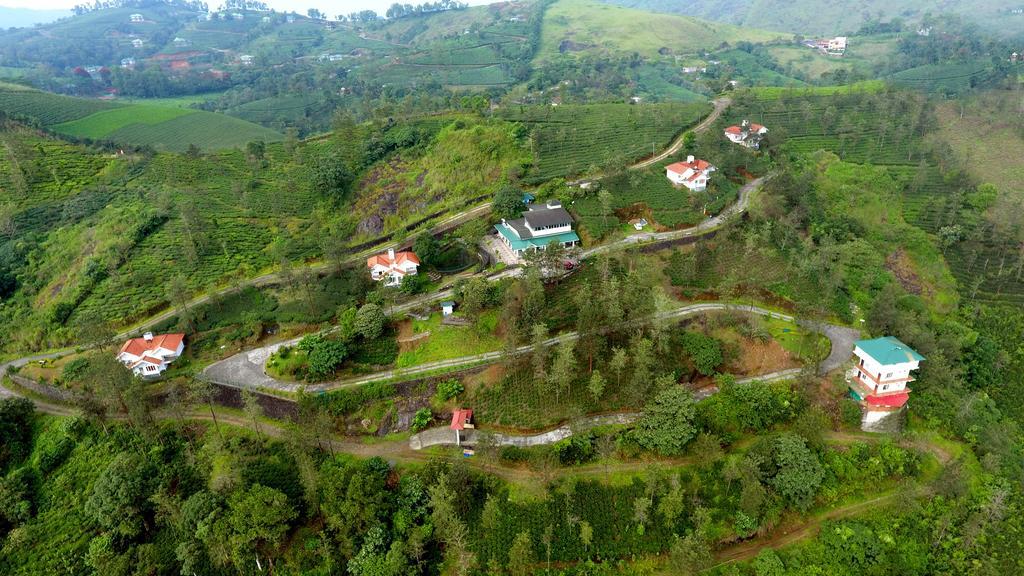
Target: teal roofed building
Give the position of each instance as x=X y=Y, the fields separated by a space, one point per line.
x=540 y=225
x=880 y=381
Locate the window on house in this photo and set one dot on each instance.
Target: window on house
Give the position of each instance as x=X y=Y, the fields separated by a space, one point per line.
x=861 y=362
x=889 y=375
x=885 y=387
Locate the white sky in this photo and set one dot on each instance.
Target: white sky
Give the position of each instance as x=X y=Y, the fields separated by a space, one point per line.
x=300 y=6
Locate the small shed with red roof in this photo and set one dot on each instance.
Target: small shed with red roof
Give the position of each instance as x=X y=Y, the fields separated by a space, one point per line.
x=694 y=173
x=462 y=419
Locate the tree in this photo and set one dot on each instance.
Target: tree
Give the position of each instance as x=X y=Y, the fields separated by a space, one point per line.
x=508 y=202
x=799 y=471
x=704 y=351
x=667 y=423
x=259 y=519
x=539 y=351
x=16 y=415
x=120 y=496
x=563 y=371
x=620 y=358
x=330 y=178
x=325 y=357
x=605 y=199
x=256 y=151
x=474 y=297
x=427 y=248
x=520 y=555
x=690 y=555
x=450 y=528
x=596 y=385
x=177 y=293
x=251 y=407
x=201 y=391
x=370 y=321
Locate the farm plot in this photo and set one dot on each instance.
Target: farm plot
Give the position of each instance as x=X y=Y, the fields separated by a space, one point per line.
x=571 y=140
x=100 y=124
x=944 y=78
x=207 y=130
x=34 y=169
x=49 y=108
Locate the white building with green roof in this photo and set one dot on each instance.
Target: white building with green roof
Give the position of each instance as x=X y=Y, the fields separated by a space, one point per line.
x=540 y=225
x=879 y=381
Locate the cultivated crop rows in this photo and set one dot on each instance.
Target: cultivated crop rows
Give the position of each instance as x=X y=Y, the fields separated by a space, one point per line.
x=572 y=140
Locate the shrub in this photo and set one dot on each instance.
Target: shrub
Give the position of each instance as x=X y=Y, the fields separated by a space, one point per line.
x=449 y=389
x=514 y=454
x=74 y=370
x=325 y=357
x=577 y=449
x=850 y=413
x=422 y=419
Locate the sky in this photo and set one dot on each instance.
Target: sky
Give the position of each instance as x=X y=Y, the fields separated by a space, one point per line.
x=300 y=6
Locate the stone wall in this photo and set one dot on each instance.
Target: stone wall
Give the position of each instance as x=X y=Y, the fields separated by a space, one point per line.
x=58 y=394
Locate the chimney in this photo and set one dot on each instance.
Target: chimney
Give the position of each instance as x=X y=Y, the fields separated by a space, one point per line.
x=391 y=253
x=689 y=159
x=148 y=336
x=745 y=123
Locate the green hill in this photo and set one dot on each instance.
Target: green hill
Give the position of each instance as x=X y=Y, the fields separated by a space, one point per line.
x=163 y=127
x=582 y=26
x=816 y=17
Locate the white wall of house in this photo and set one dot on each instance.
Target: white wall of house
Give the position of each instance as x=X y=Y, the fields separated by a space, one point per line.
x=883 y=378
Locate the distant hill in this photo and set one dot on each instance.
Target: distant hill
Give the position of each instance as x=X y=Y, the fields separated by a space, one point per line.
x=19 y=17
x=580 y=26
x=820 y=17
x=163 y=127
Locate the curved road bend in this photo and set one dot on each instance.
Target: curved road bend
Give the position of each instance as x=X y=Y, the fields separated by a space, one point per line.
x=246 y=369
x=720 y=105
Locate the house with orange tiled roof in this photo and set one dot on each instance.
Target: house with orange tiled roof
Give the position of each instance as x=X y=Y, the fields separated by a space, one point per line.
x=393 y=267
x=747 y=134
x=694 y=174
x=150 y=355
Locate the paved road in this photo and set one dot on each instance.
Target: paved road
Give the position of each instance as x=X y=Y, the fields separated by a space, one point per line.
x=245 y=370
x=720 y=105
x=709 y=224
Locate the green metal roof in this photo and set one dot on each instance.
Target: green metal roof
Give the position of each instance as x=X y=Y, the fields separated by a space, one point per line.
x=888 y=350
x=518 y=243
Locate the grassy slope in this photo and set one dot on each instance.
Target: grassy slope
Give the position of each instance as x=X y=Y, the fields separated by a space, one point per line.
x=864 y=54
x=817 y=17
x=991 y=145
x=163 y=127
x=607 y=28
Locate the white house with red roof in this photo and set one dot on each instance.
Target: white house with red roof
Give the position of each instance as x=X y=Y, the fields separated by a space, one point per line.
x=150 y=355
x=747 y=134
x=694 y=174
x=393 y=267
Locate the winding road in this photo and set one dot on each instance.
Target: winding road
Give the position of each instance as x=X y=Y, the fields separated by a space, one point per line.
x=245 y=369
x=720 y=105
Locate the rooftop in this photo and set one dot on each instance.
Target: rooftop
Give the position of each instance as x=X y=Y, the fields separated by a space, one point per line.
x=888 y=350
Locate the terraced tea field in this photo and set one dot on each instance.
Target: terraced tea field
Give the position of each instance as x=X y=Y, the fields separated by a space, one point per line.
x=572 y=140
x=163 y=127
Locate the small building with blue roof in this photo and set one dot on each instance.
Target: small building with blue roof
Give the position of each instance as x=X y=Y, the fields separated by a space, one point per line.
x=882 y=373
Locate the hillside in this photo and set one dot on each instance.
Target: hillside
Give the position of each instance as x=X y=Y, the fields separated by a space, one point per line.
x=583 y=26
x=832 y=18
x=163 y=127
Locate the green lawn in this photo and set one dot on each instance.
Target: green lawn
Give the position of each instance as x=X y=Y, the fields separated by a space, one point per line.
x=101 y=124
x=446 y=342
x=589 y=26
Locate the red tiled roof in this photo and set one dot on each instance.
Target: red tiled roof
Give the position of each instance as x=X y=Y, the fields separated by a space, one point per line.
x=733 y=130
x=680 y=167
x=888 y=401
x=460 y=417
x=139 y=346
x=385 y=261
x=755 y=127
